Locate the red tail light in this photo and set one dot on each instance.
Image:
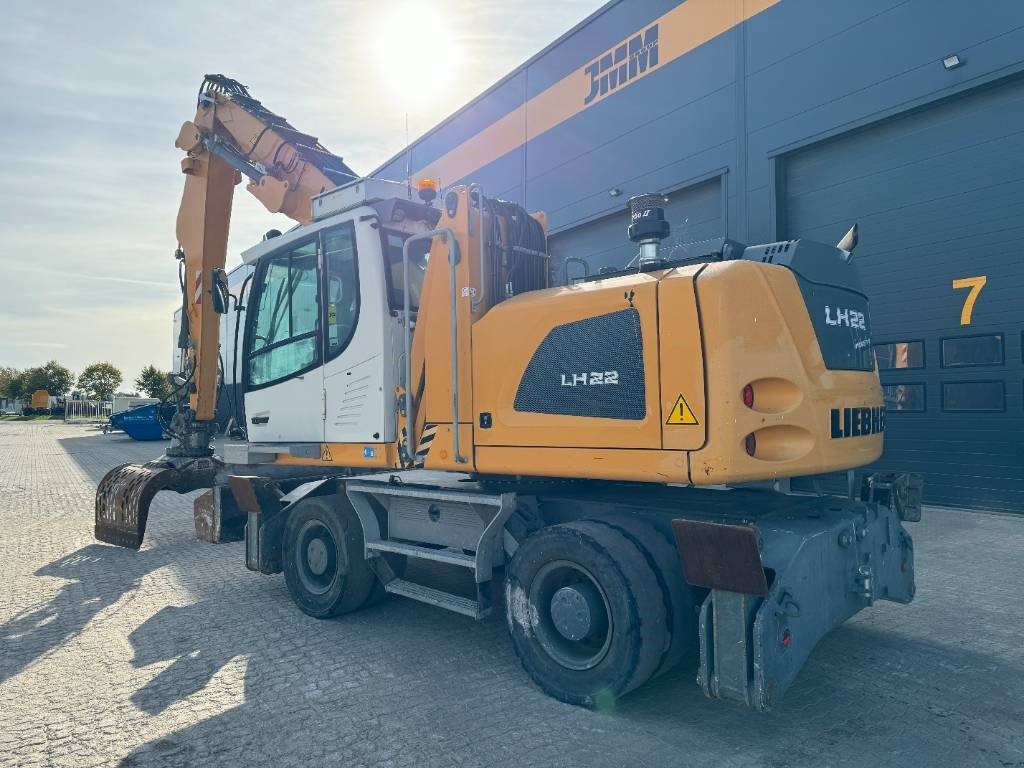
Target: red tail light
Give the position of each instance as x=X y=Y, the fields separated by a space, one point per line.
x=748 y=396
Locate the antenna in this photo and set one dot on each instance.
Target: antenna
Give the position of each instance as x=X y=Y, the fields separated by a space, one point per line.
x=408 y=158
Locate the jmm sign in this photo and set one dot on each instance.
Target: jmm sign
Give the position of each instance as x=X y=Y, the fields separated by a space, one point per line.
x=620 y=65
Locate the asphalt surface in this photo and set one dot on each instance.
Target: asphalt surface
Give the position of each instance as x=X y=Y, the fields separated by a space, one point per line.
x=177 y=655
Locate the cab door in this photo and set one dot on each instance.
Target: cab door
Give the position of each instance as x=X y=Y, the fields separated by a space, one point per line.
x=358 y=363
x=284 y=348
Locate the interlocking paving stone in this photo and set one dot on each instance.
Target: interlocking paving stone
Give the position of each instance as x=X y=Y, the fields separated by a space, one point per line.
x=177 y=655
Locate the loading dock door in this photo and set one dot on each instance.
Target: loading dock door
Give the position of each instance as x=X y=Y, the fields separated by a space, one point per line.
x=939 y=195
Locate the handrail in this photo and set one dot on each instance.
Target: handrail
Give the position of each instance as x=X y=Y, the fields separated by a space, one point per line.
x=574 y=260
x=474 y=302
x=410 y=413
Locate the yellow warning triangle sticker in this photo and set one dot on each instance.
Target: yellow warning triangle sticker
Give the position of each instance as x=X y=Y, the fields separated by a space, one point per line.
x=325 y=452
x=681 y=413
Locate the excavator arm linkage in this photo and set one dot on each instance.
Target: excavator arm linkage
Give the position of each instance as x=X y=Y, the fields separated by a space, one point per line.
x=231 y=134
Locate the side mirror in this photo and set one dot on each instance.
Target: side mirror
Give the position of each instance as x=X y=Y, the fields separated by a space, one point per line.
x=220 y=291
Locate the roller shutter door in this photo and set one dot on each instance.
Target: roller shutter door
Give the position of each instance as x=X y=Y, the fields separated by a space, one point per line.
x=939 y=195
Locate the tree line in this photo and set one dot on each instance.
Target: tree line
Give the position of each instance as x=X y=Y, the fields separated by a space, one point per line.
x=98 y=381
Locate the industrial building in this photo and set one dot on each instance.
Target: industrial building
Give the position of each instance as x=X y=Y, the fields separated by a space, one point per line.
x=767 y=120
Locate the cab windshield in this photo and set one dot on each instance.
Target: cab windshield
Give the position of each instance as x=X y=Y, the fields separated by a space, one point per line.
x=419 y=253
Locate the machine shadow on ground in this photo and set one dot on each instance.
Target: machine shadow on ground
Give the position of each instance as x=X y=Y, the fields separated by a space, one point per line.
x=344 y=663
x=95 y=577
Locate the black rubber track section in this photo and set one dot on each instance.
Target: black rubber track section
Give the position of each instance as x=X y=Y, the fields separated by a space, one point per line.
x=354 y=580
x=639 y=633
x=678 y=596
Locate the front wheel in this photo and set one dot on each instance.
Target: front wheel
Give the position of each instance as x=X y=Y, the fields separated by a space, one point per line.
x=585 y=612
x=324 y=566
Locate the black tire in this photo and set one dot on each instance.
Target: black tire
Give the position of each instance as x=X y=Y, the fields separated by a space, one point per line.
x=678 y=596
x=331 y=577
x=378 y=594
x=605 y=664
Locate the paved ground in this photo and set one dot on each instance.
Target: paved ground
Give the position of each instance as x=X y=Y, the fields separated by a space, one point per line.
x=176 y=655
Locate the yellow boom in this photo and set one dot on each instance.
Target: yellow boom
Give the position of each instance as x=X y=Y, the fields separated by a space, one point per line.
x=231 y=134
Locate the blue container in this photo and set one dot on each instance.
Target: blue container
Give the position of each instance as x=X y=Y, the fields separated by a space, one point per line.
x=139 y=423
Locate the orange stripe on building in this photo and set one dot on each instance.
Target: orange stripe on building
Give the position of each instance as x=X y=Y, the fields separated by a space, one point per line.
x=681 y=30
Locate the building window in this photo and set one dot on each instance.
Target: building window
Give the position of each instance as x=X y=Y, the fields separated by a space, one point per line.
x=974 y=396
x=899 y=354
x=904 y=397
x=967 y=351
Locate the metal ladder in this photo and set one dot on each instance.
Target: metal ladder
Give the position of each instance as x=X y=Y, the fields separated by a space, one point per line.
x=488 y=553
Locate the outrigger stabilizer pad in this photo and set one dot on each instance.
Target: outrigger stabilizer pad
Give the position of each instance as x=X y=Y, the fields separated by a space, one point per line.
x=125 y=493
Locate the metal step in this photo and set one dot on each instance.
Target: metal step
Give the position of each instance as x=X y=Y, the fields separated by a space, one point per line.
x=437 y=597
x=424 y=553
x=433 y=486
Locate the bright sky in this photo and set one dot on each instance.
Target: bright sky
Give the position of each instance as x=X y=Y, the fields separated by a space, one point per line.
x=91 y=99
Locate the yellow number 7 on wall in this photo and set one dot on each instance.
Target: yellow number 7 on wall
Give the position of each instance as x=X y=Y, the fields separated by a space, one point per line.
x=975 y=284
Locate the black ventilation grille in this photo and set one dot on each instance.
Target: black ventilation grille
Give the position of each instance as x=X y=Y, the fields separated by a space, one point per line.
x=592 y=367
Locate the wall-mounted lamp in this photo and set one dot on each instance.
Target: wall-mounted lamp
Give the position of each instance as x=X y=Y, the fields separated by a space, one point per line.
x=951 y=62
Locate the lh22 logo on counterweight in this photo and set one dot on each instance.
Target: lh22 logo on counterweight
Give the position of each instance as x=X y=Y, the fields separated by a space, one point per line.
x=626 y=61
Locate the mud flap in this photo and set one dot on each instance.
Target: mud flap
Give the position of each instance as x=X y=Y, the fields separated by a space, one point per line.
x=125 y=493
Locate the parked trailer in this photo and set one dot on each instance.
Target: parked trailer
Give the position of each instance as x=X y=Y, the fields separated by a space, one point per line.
x=604 y=586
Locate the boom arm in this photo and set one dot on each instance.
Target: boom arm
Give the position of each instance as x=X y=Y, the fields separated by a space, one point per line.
x=234 y=134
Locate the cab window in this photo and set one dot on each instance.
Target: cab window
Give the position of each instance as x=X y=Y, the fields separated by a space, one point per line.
x=285 y=333
x=418 y=256
x=341 y=291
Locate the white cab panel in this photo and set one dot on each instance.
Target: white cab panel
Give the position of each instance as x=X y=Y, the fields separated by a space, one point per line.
x=293 y=411
x=358 y=383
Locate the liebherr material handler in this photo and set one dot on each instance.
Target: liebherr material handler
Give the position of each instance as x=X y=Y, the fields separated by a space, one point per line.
x=416 y=389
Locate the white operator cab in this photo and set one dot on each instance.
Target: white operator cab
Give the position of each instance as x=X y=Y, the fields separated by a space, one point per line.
x=323 y=319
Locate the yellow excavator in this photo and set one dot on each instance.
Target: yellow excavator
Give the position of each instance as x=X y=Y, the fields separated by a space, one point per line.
x=591 y=455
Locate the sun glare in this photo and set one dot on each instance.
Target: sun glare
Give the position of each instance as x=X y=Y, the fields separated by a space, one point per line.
x=416 y=52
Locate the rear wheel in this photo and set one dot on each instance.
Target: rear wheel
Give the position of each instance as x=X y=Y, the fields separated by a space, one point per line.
x=324 y=566
x=677 y=595
x=585 y=613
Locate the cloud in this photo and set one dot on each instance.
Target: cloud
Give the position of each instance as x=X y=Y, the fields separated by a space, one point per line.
x=37 y=344
x=93 y=98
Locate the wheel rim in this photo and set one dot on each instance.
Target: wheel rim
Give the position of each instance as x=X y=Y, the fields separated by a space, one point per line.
x=574 y=626
x=316 y=554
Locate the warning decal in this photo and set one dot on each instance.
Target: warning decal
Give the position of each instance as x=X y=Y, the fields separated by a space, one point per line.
x=681 y=413
x=325 y=452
